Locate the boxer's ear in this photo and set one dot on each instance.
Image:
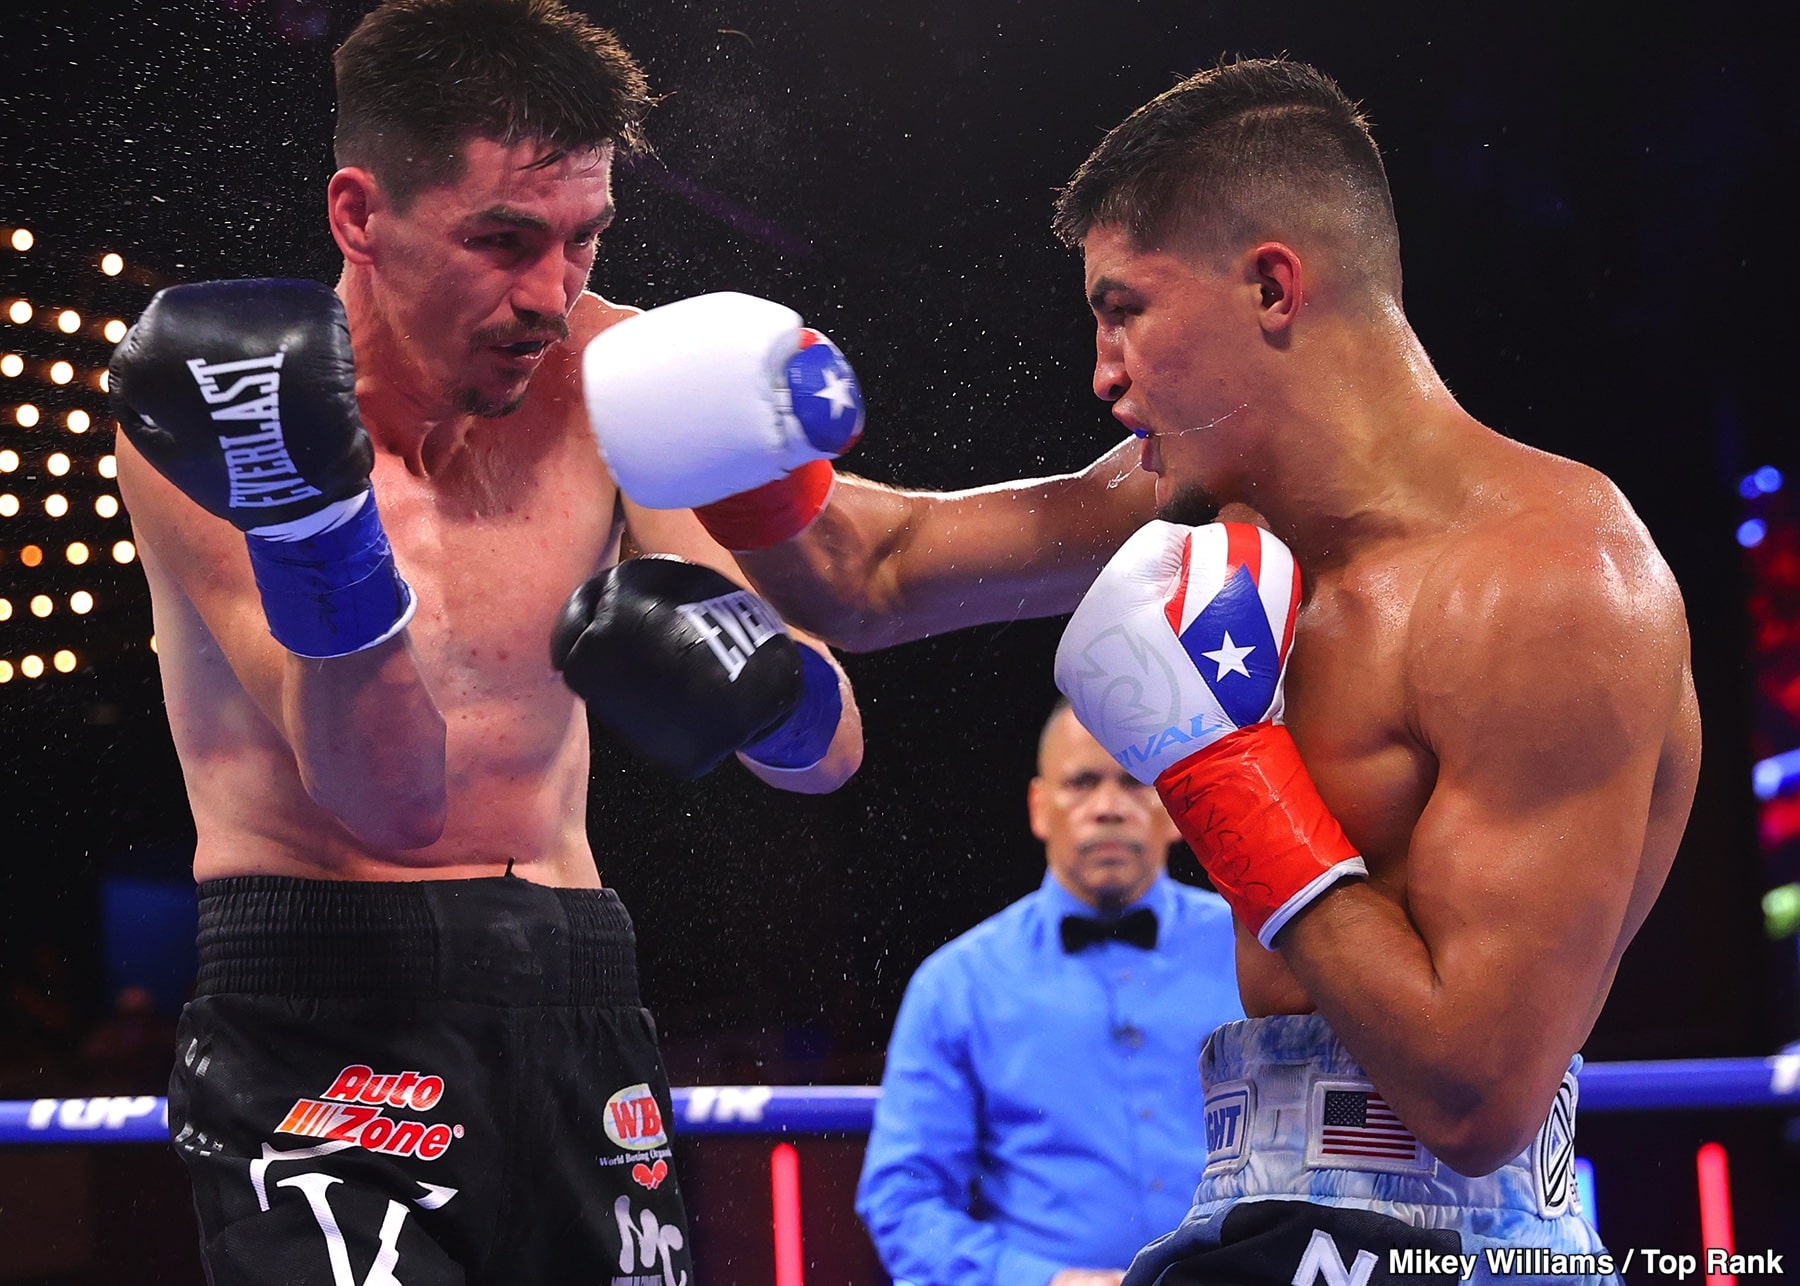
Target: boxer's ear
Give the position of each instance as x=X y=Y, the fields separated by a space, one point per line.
x=350 y=198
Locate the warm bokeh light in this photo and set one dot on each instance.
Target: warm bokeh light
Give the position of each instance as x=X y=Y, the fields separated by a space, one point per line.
x=61 y=372
x=81 y=602
x=112 y=264
x=57 y=463
x=27 y=415
x=22 y=240
x=31 y=555
x=79 y=421
x=68 y=321
x=77 y=553
x=12 y=366
x=9 y=506
x=9 y=460
x=106 y=506
x=64 y=661
x=19 y=311
x=5 y=609
x=103 y=380
x=6 y=671
x=153 y=645
x=32 y=666
x=41 y=606
x=123 y=551
x=108 y=466
x=56 y=505
x=114 y=331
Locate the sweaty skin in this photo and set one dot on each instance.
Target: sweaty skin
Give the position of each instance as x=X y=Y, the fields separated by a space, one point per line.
x=1490 y=680
x=453 y=749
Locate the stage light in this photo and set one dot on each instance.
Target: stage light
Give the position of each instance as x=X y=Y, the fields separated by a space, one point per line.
x=111 y=264
x=77 y=553
x=61 y=372
x=27 y=415
x=106 y=506
x=19 y=311
x=68 y=321
x=1775 y=775
x=784 y=1184
x=41 y=606
x=31 y=666
x=108 y=466
x=81 y=602
x=1713 y=1172
x=9 y=506
x=56 y=505
x=123 y=551
x=1781 y=911
x=31 y=556
x=57 y=463
x=9 y=460
x=114 y=331
x=22 y=240
x=79 y=421
x=1760 y=482
x=1750 y=532
x=12 y=366
x=64 y=661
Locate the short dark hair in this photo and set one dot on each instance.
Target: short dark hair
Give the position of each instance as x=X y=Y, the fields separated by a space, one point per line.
x=1057 y=711
x=418 y=79
x=1249 y=149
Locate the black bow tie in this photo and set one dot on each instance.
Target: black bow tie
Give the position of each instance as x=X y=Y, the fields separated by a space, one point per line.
x=1138 y=928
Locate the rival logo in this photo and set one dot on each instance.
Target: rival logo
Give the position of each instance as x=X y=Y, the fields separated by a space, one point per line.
x=350 y=1112
x=733 y=625
x=634 y=1121
x=261 y=472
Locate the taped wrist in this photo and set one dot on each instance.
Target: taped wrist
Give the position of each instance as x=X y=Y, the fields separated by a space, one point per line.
x=328 y=581
x=771 y=513
x=1248 y=808
x=801 y=740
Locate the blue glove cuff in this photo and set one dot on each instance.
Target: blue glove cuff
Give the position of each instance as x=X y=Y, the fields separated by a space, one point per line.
x=335 y=592
x=802 y=739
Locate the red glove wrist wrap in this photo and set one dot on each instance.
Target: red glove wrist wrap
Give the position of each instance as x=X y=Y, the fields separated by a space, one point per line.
x=771 y=513
x=1248 y=808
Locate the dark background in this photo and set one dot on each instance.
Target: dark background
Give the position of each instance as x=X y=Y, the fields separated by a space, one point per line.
x=1596 y=219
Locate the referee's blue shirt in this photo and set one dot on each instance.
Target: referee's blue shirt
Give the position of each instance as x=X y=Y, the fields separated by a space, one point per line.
x=1042 y=1110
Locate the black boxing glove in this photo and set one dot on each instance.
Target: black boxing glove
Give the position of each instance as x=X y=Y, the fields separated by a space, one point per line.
x=686 y=667
x=243 y=395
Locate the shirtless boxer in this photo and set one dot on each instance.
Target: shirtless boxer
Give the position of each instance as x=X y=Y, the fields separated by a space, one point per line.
x=1489 y=686
x=417 y=1052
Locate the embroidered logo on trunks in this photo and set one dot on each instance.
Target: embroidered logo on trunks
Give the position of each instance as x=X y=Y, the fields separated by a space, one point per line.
x=633 y=1119
x=1350 y=1127
x=1553 y=1153
x=1230 y=1105
x=350 y=1112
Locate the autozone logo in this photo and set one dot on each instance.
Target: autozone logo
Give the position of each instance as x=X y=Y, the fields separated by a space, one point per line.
x=350 y=1111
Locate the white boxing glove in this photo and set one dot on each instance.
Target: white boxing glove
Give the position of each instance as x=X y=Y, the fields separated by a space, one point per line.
x=1174 y=662
x=716 y=395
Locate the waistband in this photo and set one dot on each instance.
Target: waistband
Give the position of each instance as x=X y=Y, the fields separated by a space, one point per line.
x=499 y=941
x=1289 y=1112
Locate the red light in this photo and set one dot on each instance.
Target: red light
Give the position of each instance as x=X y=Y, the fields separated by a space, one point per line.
x=784 y=1178
x=1715 y=1208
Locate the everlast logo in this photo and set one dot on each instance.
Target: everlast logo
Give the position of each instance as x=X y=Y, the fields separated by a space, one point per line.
x=733 y=626
x=261 y=472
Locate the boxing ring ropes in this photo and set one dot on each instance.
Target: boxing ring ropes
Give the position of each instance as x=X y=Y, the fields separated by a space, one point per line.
x=783 y=1111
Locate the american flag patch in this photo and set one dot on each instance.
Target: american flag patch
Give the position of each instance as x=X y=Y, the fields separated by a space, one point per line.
x=1353 y=1127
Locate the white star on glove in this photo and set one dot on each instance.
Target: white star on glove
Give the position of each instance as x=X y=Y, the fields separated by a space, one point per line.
x=1230 y=658
x=837 y=391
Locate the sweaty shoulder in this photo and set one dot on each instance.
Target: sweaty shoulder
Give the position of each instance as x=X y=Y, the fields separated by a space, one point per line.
x=592 y=314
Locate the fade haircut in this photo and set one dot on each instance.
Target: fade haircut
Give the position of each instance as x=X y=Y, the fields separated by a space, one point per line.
x=1262 y=148
x=1057 y=711
x=418 y=79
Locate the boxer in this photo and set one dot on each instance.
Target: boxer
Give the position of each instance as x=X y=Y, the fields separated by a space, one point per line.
x=384 y=560
x=1442 y=806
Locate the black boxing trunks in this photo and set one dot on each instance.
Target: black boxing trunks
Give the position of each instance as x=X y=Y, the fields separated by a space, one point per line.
x=424 y=1083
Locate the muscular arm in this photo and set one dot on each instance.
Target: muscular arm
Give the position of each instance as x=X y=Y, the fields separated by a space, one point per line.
x=881 y=566
x=1548 y=701
x=678 y=532
x=366 y=735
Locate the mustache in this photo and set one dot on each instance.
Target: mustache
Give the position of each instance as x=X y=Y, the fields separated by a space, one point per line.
x=551 y=330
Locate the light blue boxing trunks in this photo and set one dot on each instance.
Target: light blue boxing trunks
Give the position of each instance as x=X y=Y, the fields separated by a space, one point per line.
x=1311 y=1178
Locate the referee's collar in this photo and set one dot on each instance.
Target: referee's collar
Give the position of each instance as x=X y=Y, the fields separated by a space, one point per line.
x=1057 y=901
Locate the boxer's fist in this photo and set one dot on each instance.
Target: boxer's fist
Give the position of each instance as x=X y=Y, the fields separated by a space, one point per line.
x=723 y=397
x=1174 y=662
x=243 y=394
x=685 y=667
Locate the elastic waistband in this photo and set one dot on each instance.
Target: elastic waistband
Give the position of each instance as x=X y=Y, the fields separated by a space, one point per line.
x=500 y=941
